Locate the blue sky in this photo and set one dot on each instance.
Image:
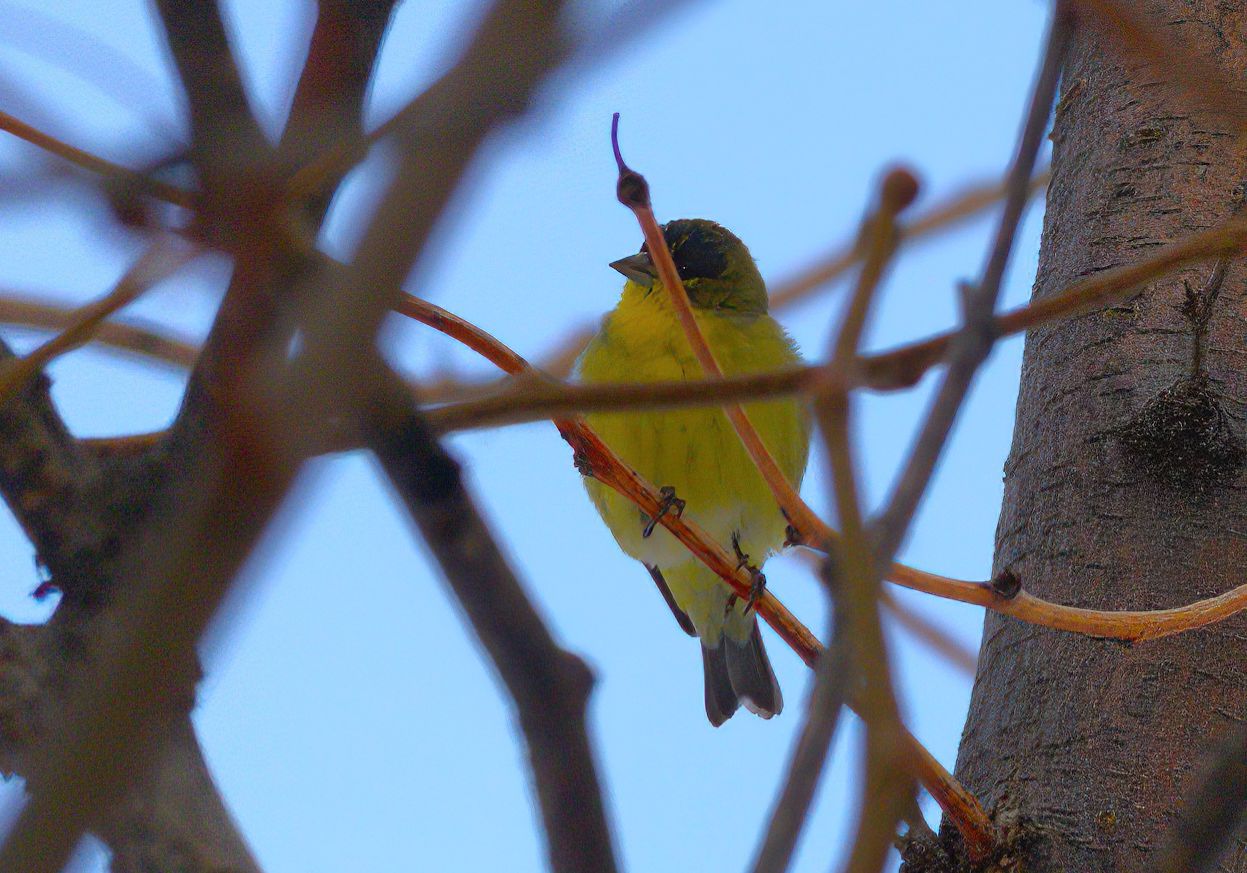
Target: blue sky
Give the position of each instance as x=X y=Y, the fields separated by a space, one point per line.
x=347 y=714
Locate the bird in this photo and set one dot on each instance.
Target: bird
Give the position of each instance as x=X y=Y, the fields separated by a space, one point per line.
x=694 y=453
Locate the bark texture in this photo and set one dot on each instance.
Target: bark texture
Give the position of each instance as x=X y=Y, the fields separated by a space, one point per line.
x=1086 y=748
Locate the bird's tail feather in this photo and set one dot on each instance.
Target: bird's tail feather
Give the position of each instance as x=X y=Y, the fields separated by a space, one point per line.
x=753 y=680
x=739 y=671
x=721 y=699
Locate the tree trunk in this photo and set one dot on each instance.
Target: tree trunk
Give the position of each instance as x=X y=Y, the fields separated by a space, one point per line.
x=1124 y=486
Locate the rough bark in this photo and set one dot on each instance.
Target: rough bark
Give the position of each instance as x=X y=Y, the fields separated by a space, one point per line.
x=1084 y=748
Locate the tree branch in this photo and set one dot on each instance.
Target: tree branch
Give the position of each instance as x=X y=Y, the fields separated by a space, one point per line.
x=1212 y=812
x=887 y=789
x=175 y=819
x=230 y=479
x=548 y=685
x=975 y=340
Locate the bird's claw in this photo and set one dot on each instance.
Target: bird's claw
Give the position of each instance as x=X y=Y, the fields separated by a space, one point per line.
x=669 y=502
x=792 y=537
x=757 y=586
x=583 y=465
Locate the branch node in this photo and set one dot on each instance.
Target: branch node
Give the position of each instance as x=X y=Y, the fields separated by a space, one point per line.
x=1006 y=584
x=631 y=187
x=899 y=190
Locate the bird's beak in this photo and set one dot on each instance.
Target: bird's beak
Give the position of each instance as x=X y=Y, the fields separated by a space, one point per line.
x=639 y=268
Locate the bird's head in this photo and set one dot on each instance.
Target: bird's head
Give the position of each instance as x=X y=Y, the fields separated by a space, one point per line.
x=717 y=270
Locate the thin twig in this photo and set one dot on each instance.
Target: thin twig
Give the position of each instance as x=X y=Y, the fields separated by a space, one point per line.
x=633 y=192
x=95 y=164
x=976 y=338
x=162 y=259
x=149 y=343
x=886 y=790
x=233 y=479
x=942 y=216
x=940 y=641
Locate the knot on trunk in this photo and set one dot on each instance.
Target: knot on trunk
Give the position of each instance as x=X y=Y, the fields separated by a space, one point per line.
x=1182 y=437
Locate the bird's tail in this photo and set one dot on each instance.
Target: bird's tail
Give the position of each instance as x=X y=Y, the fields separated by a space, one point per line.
x=738 y=671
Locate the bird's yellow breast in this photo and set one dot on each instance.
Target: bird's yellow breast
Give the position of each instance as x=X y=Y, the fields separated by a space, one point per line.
x=695 y=451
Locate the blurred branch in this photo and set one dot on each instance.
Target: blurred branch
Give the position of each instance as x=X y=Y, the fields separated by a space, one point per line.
x=230 y=479
x=974 y=342
x=163 y=258
x=887 y=789
x=150 y=343
x=832 y=674
x=953 y=650
x=227 y=145
x=329 y=100
x=548 y=685
x=130 y=179
x=942 y=216
x=175 y=818
x=175 y=821
x=838 y=667
x=1212 y=813
x=1203 y=82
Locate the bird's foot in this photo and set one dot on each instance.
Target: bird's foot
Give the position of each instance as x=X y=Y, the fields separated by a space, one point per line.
x=583 y=465
x=757 y=587
x=669 y=502
x=792 y=537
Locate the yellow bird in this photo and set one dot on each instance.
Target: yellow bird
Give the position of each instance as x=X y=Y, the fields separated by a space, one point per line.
x=696 y=452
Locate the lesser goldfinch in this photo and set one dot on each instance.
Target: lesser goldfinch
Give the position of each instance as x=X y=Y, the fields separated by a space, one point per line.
x=696 y=452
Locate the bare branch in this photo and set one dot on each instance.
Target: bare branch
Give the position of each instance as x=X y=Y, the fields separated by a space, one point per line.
x=548 y=685
x=809 y=754
x=231 y=478
x=942 y=216
x=162 y=258
x=148 y=343
x=131 y=179
x=887 y=789
x=974 y=342
x=633 y=192
x=175 y=819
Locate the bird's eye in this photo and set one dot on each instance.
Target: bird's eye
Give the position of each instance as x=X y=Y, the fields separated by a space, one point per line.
x=699 y=256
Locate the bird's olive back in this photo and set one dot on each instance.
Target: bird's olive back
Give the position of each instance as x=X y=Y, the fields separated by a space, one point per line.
x=715 y=266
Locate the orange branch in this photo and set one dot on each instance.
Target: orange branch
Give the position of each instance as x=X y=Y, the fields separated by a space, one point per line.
x=633 y=192
x=607 y=467
x=898 y=368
